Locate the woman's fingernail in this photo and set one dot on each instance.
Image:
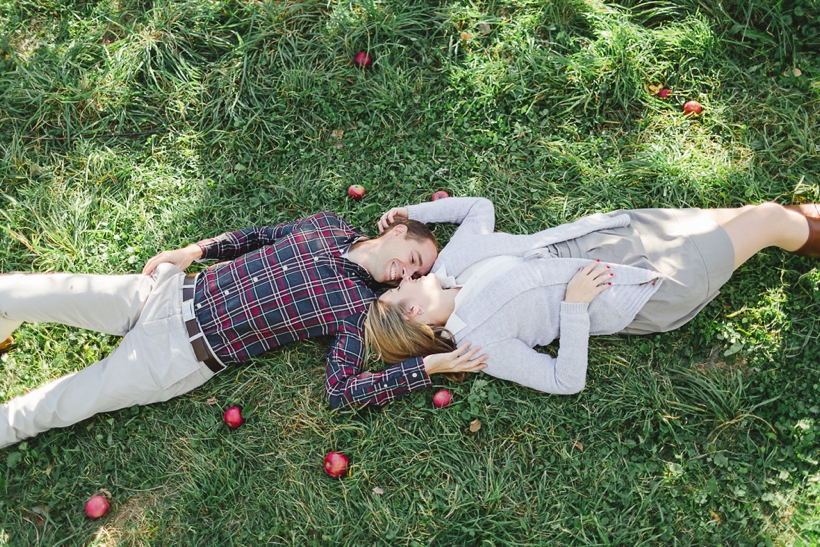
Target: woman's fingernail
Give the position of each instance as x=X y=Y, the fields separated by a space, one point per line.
x=609 y=283
x=598 y=260
x=607 y=267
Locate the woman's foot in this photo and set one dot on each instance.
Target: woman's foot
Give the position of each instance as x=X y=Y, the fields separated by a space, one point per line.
x=6 y=344
x=811 y=211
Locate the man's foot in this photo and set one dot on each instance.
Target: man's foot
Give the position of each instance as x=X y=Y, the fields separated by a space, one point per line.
x=6 y=344
x=811 y=211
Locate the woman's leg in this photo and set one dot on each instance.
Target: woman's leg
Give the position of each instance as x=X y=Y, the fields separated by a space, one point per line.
x=754 y=227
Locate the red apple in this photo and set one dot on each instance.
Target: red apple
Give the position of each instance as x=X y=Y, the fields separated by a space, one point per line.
x=441 y=194
x=692 y=107
x=356 y=191
x=233 y=417
x=96 y=507
x=363 y=59
x=335 y=464
x=442 y=398
x=664 y=93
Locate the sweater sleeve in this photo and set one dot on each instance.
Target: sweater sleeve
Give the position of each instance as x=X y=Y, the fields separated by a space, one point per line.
x=475 y=215
x=513 y=360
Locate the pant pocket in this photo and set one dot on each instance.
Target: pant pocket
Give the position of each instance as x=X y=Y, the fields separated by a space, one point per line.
x=165 y=342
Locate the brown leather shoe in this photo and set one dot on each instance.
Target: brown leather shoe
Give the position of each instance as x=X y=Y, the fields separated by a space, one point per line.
x=811 y=211
x=6 y=344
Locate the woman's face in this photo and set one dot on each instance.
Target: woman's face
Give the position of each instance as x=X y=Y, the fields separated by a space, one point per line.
x=423 y=294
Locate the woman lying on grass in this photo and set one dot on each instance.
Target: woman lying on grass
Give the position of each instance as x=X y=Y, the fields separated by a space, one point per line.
x=652 y=270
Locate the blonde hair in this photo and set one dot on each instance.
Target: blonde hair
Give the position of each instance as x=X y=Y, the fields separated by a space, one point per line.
x=395 y=339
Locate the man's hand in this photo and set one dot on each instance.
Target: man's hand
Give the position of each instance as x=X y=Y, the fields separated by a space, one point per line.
x=589 y=282
x=459 y=360
x=390 y=217
x=181 y=258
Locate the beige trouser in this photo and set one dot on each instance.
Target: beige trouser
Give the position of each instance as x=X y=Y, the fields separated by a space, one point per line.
x=154 y=361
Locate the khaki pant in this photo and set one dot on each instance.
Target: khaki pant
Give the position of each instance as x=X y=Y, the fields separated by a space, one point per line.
x=154 y=361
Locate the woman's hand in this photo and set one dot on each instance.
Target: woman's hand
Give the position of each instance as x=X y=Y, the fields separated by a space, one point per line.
x=589 y=282
x=458 y=360
x=390 y=217
x=181 y=258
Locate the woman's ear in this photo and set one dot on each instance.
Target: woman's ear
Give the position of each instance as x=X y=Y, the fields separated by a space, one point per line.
x=413 y=312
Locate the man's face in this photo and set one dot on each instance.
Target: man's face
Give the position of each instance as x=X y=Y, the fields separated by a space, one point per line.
x=400 y=257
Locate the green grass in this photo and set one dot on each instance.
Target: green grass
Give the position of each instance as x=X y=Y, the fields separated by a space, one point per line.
x=237 y=113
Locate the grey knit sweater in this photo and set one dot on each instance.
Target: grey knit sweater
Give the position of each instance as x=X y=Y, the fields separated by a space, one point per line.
x=525 y=308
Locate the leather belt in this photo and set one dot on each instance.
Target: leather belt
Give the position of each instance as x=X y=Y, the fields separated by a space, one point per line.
x=195 y=337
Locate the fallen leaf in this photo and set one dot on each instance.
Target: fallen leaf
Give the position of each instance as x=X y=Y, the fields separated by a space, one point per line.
x=212 y=401
x=484 y=28
x=337 y=133
x=466 y=35
x=378 y=491
x=475 y=425
x=797 y=72
x=578 y=445
x=337 y=145
x=654 y=89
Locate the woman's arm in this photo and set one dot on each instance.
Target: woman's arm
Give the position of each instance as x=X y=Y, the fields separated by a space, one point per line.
x=565 y=374
x=476 y=215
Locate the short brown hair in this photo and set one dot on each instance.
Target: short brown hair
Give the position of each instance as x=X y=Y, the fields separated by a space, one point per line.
x=395 y=339
x=415 y=230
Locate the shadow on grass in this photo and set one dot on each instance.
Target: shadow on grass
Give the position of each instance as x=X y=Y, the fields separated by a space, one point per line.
x=542 y=108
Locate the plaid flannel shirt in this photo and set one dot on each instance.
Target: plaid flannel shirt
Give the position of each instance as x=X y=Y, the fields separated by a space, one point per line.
x=290 y=282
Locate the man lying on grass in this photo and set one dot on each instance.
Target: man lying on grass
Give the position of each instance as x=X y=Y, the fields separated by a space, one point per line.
x=315 y=276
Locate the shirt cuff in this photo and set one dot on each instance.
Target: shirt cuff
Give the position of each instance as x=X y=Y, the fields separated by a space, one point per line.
x=206 y=245
x=414 y=375
x=574 y=307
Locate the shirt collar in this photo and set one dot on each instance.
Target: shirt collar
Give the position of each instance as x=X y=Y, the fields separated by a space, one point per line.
x=358 y=270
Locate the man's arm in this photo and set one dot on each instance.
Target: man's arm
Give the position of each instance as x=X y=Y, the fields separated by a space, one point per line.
x=181 y=258
x=347 y=385
x=227 y=246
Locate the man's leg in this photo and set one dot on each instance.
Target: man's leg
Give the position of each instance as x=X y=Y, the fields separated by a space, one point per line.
x=153 y=363
x=104 y=303
x=119 y=381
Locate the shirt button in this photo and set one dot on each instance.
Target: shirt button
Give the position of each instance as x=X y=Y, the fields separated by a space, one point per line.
x=255 y=279
x=227 y=291
x=414 y=375
x=316 y=259
x=284 y=268
x=199 y=306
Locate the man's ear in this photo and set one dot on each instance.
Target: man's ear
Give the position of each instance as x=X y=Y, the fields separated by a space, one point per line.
x=398 y=230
